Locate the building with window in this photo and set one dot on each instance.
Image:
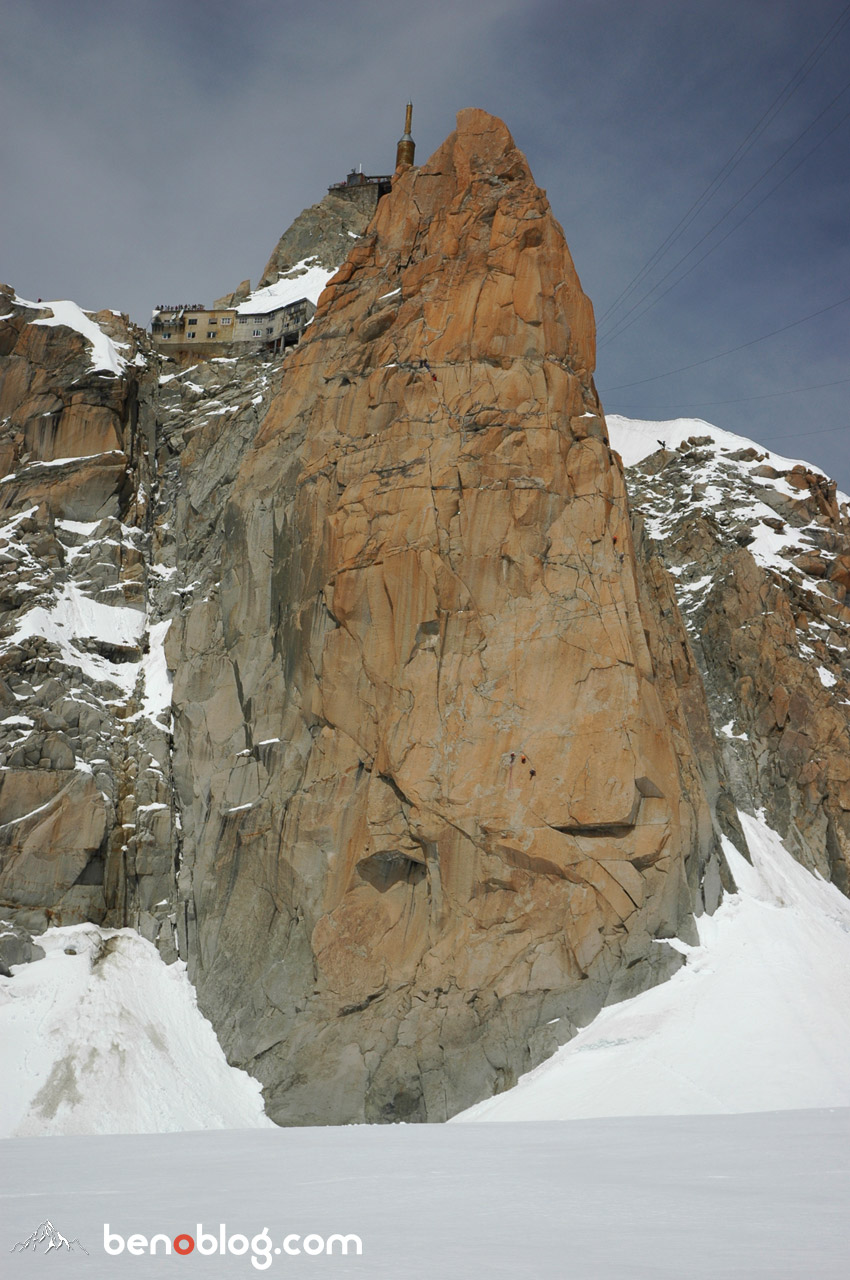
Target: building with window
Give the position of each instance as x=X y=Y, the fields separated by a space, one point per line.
x=274 y=317
x=197 y=328
x=268 y=319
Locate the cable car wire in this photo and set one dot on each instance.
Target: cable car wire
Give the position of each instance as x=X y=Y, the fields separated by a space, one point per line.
x=625 y=324
x=785 y=94
x=622 y=386
x=740 y=400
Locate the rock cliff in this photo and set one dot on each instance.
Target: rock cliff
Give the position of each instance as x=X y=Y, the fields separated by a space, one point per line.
x=759 y=547
x=439 y=794
x=84 y=791
x=323 y=232
x=436 y=777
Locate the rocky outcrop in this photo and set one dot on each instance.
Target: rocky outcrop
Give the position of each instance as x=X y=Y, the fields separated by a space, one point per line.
x=239 y=294
x=16 y=947
x=85 y=795
x=759 y=549
x=324 y=232
x=112 y=464
x=435 y=721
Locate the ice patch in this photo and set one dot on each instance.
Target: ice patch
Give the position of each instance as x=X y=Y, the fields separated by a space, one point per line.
x=156 y=699
x=74 y=617
x=309 y=282
x=84 y=527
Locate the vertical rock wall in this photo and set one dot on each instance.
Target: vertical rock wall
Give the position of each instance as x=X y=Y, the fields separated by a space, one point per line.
x=85 y=792
x=434 y=720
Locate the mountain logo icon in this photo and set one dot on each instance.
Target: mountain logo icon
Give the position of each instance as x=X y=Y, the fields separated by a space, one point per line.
x=46 y=1234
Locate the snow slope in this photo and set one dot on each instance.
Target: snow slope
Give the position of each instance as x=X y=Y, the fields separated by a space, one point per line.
x=757 y=1020
x=109 y=1039
x=637 y=438
x=306 y=280
x=105 y=353
x=75 y=617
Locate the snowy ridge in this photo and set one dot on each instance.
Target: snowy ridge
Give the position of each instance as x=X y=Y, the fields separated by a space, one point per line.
x=101 y=1036
x=305 y=280
x=105 y=353
x=758 y=1019
x=743 y=487
x=637 y=438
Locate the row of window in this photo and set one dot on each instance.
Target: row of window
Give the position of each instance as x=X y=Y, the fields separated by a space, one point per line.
x=211 y=333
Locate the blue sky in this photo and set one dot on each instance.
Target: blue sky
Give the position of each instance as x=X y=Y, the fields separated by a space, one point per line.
x=156 y=151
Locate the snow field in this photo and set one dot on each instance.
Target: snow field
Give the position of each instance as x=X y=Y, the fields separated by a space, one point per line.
x=756 y=1197
x=758 y=1019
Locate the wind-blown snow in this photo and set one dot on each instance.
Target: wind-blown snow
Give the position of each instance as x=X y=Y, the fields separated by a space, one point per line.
x=110 y=1040
x=309 y=282
x=757 y=1020
x=105 y=354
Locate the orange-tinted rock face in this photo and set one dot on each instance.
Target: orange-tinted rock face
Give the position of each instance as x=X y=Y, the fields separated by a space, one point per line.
x=437 y=775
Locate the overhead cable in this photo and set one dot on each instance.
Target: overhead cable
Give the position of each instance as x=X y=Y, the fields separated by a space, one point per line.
x=621 y=386
x=817 y=431
x=625 y=324
x=740 y=400
x=734 y=160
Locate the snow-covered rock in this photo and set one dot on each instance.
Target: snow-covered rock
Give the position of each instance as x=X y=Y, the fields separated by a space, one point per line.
x=101 y=1036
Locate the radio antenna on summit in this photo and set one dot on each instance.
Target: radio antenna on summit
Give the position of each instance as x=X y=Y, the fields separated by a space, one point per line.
x=406 y=146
